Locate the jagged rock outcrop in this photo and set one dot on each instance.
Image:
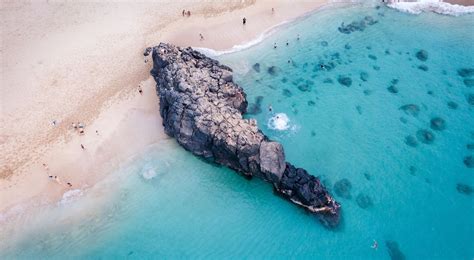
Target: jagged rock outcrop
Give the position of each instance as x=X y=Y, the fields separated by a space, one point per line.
x=202 y=108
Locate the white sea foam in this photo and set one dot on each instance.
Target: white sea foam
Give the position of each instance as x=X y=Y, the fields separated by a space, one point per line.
x=243 y=46
x=279 y=122
x=70 y=196
x=149 y=173
x=436 y=6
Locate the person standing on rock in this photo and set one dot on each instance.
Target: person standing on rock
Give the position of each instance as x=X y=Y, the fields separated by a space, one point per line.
x=244 y=21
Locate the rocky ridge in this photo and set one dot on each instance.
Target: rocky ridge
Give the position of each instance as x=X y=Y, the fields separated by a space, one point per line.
x=202 y=108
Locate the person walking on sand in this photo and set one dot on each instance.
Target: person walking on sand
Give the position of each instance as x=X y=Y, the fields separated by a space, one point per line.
x=189 y=13
x=244 y=21
x=82 y=146
x=201 y=36
x=56 y=178
x=140 y=90
x=184 y=12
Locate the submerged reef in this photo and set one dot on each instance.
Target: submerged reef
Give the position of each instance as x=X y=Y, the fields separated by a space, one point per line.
x=464 y=189
x=202 y=108
x=422 y=55
x=394 y=250
x=357 y=25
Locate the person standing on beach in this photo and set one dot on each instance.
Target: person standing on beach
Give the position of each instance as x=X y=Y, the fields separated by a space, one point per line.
x=201 y=36
x=140 y=90
x=244 y=21
x=82 y=146
x=56 y=179
x=273 y=10
x=184 y=12
x=189 y=13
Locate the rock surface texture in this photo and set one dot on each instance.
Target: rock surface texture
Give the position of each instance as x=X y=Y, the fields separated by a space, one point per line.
x=202 y=108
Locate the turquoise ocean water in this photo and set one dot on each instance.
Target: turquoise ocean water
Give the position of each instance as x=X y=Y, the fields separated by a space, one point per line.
x=395 y=186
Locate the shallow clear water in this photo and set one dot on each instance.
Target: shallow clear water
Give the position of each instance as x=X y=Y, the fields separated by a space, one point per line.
x=168 y=203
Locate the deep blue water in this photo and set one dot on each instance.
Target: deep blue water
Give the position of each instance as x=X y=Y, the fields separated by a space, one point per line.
x=167 y=203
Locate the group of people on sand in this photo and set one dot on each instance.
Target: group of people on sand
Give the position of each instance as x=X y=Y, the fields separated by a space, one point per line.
x=186 y=13
x=55 y=177
x=78 y=127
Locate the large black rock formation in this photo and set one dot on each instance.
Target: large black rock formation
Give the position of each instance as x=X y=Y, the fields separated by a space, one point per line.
x=202 y=108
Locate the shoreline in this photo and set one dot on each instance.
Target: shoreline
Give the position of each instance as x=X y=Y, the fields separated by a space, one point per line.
x=270 y=31
x=114 y=113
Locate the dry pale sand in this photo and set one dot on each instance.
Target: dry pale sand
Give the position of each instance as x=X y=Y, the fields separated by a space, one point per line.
x=460 y=2
x=82 y=62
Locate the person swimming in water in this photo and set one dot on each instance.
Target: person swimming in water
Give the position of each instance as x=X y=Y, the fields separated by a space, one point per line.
x=375 y=245
x=270 y=108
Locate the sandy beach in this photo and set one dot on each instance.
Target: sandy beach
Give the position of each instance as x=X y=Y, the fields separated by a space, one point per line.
x=64 y=63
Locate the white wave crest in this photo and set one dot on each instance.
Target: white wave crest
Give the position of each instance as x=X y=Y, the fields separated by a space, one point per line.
x=243 y=46
x=149 y=174
x=436 y=6
x=70 y=196
x=279 y=122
